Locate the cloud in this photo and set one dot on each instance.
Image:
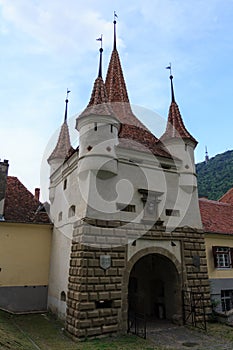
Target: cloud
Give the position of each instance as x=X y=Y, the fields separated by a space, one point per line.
x=56 y=27
x=175 y=18
x=22 y=147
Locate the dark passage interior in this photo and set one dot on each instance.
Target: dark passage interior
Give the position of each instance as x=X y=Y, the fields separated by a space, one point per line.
x=154 y=288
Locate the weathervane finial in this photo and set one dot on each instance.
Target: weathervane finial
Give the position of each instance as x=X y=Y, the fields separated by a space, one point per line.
x=114 y=22
x=101 y=51
x=171 y=77
x=66 y=101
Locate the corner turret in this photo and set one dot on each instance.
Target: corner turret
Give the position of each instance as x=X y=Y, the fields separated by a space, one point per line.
x=63 y=146
x=176 y=138
x=181 y=145
x=98 y=129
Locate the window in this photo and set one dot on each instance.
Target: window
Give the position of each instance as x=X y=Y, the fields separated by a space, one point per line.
x=65 y=184
x=227 y=299
x=95 y=126
x=63 y=296
x=126 y=207
x=71 y=211
x=172 y=212
x=223 y=257
x=60 y=216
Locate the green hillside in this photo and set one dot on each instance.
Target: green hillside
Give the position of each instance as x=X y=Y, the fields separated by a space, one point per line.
x=216 y=177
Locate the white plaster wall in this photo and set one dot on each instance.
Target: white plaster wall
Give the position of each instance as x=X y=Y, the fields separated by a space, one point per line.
x=59 y=272
x=97 y=197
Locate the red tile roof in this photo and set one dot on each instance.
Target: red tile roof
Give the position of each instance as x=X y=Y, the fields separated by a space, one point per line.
x=63 y=145
x=227 y=197
x=217 y=217
x=115 y=82
x=133 y=133
x=98 y=103
x=175 y=125
x=20 y=204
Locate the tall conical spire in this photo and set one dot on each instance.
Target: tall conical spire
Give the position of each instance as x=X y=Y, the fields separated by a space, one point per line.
x=63 y=146
x=175 y=125
x=115 y=82
x=98 y=103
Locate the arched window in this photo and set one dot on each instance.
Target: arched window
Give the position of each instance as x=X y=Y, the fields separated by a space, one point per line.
x=60 y=216
x=63 y=296
x=71 y=211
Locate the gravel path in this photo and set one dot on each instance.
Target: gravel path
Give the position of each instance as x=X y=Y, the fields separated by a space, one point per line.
x=180 y=337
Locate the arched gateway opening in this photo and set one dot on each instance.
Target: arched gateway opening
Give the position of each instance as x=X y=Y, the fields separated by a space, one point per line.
x=154 y=288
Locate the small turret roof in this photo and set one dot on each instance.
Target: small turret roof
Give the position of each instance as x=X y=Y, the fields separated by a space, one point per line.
x=175 y=125
x=63 y=146
x=98 y=104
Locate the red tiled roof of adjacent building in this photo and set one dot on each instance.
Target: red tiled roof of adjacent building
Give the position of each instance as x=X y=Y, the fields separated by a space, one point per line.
x=217 y=217
x=21 y=205
x=227 y=197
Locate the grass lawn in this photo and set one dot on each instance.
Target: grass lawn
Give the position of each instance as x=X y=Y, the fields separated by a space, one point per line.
x=43 y=332
x=31 y=332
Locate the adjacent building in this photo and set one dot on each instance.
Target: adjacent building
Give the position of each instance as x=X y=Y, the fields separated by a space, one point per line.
x=25 y=244
x=217 y=218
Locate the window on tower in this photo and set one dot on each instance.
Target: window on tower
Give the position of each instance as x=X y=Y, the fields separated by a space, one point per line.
x=71 y=211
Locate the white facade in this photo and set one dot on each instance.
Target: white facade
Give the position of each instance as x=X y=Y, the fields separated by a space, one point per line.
x=78 y=189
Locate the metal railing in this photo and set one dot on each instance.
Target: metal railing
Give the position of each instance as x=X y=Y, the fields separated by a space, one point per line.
x=137 y=324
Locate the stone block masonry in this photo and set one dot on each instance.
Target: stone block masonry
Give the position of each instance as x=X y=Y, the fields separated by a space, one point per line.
x=97 y=300
x=94 y=293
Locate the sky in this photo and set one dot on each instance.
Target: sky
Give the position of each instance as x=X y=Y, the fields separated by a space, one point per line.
x=49 y=46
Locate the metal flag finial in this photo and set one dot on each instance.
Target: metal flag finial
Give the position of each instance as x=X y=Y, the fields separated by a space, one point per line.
x=101 y=51
x=66 y=101
x=101 y=40
x=170 y=68
x=171 y=77
x=67 y=93
x=114 y=22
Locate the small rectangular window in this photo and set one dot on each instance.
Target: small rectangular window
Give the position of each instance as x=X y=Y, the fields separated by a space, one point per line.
x=95 y=126
x=126 y=207
x=103 y=304
x=227 y=299
x=172 y=212
x=65 y=184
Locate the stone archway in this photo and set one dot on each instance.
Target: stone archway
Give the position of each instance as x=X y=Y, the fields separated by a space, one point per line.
x=152 y=285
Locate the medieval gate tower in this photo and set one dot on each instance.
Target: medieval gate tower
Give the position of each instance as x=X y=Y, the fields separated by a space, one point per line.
x=127 y=232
